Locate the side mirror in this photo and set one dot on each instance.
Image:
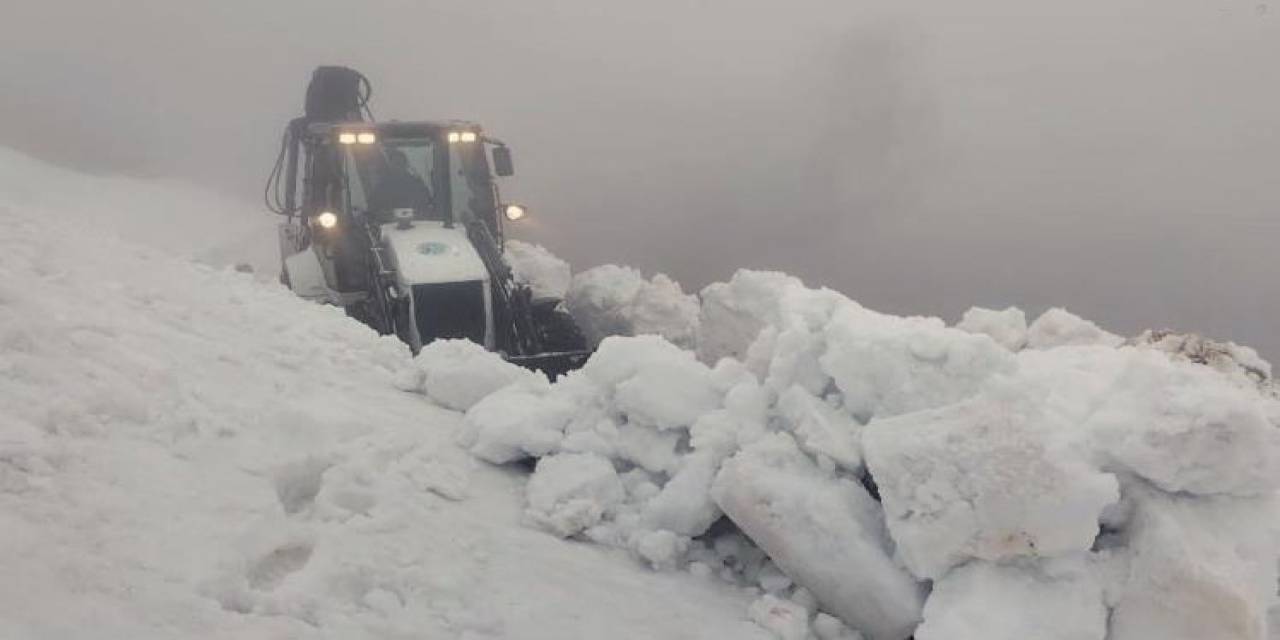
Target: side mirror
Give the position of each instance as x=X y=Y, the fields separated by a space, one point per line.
x=502 y=162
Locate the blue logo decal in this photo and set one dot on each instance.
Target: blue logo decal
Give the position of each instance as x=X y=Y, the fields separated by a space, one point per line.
x=433 y=248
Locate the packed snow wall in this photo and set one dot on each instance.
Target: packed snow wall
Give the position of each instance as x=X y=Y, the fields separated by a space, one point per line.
x=991 y=480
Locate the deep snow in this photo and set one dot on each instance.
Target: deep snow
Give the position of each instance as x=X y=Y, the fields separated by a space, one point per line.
x=186 y=451
x=189 y=450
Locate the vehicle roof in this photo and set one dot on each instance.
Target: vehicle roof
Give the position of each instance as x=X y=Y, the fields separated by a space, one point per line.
x=396 y=127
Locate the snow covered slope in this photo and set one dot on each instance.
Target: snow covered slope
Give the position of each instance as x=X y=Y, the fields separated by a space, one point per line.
x=188 y=452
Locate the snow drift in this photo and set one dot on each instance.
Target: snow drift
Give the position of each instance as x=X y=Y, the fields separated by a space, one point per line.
x=188 y=452
x=906 y=476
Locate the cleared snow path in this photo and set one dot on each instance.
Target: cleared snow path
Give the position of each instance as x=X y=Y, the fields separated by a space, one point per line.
x=187 y=452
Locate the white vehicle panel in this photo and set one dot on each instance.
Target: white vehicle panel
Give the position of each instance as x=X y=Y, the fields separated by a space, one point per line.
x=429 y=253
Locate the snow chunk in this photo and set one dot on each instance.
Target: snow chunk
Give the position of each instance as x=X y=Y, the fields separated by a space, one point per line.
x=570 y=492
x=1200 y=568
x=983 y=479
x=734 y=312
x=1187 y=428
x=617 y=301
x=545 y=273
x=1058 y=327
x=669 y=394
x=1053 y=601
x=1008 y=327
x=821 y=429
x=515 y=423
x=825 y=533
x=661 y=549
x=459 y=373
x=684 y=505
x=887 y=365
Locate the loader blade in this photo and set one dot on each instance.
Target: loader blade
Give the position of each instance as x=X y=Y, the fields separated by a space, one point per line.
x=553 y=364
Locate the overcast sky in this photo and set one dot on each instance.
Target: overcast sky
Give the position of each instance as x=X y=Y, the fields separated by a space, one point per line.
x=1120 y=158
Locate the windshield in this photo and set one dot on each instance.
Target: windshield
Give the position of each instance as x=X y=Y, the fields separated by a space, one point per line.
x=397 y=173
x=432 y=177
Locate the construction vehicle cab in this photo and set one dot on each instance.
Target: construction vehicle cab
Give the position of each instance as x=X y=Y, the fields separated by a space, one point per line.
x=401 y=224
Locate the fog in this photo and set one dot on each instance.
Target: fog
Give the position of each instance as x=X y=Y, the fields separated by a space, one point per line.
x=1116 y=157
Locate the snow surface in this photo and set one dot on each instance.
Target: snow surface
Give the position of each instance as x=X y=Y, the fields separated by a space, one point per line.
x=187 y=452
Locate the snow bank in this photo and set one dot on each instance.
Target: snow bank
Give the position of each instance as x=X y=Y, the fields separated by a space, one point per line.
x=618 y=301
x=187 y=452
x=546 y=274
x=1040 y=490
x=176 y=217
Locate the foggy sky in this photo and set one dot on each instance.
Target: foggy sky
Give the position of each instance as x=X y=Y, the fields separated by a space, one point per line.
x=1116 y=157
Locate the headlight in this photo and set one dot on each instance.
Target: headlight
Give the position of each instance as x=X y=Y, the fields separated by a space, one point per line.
x=468 y=136
x=463 y=136
x=454 y=136
x=514 y=212
x=366 y=138
x=346 y=138
x=327 y=220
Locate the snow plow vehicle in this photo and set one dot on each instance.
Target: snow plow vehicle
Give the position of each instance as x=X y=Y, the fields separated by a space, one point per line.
x=401 y=224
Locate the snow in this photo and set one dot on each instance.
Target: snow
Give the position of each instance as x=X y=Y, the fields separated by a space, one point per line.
x=1012 y=466
x=610 y=300
x=823 y=531
x=572 y=491
x=1058 y=327
x=456 y=374
x=1054 y=600
x=982 y=479
x=1008 y=327
x=188 y=452
x=546 y=274
x=1198 y=568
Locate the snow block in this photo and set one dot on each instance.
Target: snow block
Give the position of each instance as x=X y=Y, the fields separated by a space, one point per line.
x=1187 y=428
x=982 y=479
x=825 y=533
x=734 y=312
x=515 y=423
x=570 y=492
x=1057 y=600
x=1198 y=568
x=459 y=373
